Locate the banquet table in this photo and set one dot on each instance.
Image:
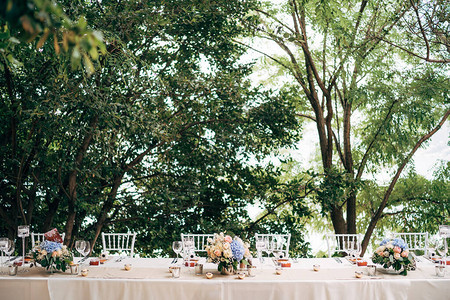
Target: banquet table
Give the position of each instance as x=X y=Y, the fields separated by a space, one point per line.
x=150 y=279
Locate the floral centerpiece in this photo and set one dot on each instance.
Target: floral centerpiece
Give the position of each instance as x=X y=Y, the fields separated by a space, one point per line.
x=227 y=252
x=52 y=255
x=394 y=253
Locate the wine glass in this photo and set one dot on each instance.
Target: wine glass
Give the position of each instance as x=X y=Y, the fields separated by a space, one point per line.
x=270 y=244
x=261 y=246
x=177 y=246
x=279 y=245
x=188 y=246
x=23 y=231
x=10 y=249
x=83 y=247
x=442 y=249
x=3 y=245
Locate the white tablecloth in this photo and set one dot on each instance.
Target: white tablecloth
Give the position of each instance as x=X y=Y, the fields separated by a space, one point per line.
x=150 y=279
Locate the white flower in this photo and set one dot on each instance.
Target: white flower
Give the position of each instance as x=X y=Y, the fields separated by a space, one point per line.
x=227 y=253
x=381 y=249
x=386 y=253
x=396 y=255
x=389 y=246
x=226 y=246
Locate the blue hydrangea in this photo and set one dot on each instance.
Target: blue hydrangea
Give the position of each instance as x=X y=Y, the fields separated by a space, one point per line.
x=384 y=242
x=400 y=243
x=237 y=249
x=50 y=246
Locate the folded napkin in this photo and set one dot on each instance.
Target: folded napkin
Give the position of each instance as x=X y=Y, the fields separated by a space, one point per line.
x=53 y=236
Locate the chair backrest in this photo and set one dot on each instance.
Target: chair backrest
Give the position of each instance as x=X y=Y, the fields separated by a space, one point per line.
x=343 y=243
x=123 y=242
x=415 y=240
x=39 y=238
x=283 y=241
x=199 y=240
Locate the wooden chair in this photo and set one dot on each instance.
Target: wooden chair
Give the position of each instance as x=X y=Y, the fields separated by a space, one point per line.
x=119 y=242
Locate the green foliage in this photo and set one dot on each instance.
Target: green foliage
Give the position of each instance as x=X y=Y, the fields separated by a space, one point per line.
x=160 y=138
x=41 y=20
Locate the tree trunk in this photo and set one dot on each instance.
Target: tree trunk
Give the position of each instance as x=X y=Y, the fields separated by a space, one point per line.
x=338 y=220
x=72 y=180
x=377 y=216
x=107 y=206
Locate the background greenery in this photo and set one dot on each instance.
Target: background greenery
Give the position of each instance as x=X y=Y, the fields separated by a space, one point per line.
x=141 y=116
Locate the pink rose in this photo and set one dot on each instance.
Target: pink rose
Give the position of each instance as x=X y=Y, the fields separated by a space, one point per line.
x=217 y=253
x=54 y=253
x=397 y=249
x=228 y=239
x=405 y=253
x=396 y=255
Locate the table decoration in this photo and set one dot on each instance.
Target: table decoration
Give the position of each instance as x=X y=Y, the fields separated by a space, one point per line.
x=316 y=268
x=278 y=270
x=52 y=255
x=74 y=269
x=176 y=272
x=358 y=274
x=371 y=270
x=394 y=256
x=12 y=270
x=127 y=267
x=361 y=263
x=440 y=270
x=84 y=272
x=227 y=252
x=209 y=275
x=284 y=263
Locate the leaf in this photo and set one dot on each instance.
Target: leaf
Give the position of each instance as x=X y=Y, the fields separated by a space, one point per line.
x=55 y=43
x=43 y=39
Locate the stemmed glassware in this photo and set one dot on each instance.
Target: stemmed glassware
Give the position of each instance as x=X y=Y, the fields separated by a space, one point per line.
x=278 y=247
x=3 y=246
x=188 y=246
x=261 y=245
x=177 y=246
x=270 y=244
x=442 y=246
x=83 y=247
x=23 y=231
x=10 y=249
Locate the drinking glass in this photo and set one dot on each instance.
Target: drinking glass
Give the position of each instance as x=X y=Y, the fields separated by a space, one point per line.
x=83 y=247
x=270 y=246
x=442 y=249
x=23 y=231
x=10 y=249
x=177 y=246
x=261 y=246
x=3 y=246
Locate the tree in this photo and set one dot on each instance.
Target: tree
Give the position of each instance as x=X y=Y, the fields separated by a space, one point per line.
x=158 y=137
x=338 y=68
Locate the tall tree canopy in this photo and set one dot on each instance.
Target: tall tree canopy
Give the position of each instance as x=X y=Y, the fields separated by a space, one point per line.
x=157 y=140
x=353 y=70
